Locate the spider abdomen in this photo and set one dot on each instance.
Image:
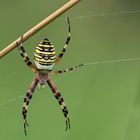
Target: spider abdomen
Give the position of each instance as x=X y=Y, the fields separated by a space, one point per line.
x=44 y=55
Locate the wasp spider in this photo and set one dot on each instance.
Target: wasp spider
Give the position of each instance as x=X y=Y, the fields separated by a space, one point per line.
x=44 y=60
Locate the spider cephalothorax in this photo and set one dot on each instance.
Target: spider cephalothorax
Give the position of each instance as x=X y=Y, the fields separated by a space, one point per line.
x=45 y=58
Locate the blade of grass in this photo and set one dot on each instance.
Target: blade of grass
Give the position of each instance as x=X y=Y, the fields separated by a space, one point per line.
x=39 y=26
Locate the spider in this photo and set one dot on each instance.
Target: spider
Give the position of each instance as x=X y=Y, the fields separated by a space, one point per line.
x=44 y=60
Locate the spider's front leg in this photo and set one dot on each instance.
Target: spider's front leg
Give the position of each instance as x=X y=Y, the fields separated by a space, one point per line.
x=27 y=99
x=25 y=56
x=60 y=101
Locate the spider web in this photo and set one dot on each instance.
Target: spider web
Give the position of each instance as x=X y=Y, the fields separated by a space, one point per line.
x=134 y=12
x=66 y=74
x=81 y=17
x=120 y=60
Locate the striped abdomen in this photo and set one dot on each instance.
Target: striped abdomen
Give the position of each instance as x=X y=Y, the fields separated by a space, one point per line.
x=44 y=55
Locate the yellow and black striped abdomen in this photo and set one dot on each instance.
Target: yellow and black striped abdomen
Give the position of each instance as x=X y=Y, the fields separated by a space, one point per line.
x=44 y=55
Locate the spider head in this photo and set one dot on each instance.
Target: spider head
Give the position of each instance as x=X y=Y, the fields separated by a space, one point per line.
x=42 y=78
x=44 y=55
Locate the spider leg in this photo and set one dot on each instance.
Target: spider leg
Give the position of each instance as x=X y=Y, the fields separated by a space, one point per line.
x=27 y=99
x=60 y=101
x=66 y=44
x=66 y=70
x=25 y=56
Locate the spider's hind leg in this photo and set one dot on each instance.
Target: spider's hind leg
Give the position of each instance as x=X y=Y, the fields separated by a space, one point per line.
x=66 y=44
x=25 y=56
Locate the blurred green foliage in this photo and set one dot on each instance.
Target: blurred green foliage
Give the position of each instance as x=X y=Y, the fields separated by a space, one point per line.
x=103 y=99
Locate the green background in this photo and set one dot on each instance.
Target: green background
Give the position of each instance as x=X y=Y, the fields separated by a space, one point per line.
x=103 y=98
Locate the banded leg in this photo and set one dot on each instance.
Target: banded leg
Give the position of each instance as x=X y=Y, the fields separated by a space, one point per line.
x=66 y=44
x=60 y=101
x=66 y=70
x=27 y=100
x=25 y=56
